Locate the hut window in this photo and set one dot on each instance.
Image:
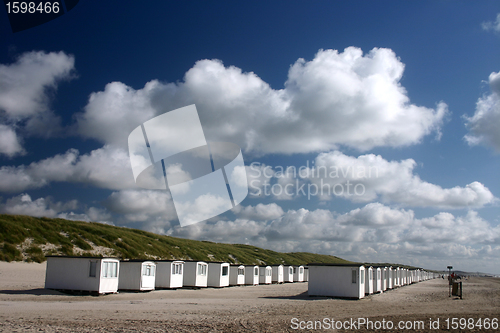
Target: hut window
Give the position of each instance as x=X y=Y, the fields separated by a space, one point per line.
x=202 y=269
x=109 y=269
x=148 y=270
x=224 y=270
x=241 y=271
x=93 y=268
x=370 y=273
x=353 y=276
x=269 y=272
x=362 y=277
x=177 y=269
x=301 y=270
x=294 y=270
x=256 y=271
x=378 y=275
x=290 y=270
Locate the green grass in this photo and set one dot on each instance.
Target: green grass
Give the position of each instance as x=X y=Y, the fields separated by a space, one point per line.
x=76 y=238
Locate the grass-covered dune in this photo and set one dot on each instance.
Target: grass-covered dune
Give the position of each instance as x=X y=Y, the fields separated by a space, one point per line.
x=31 y=239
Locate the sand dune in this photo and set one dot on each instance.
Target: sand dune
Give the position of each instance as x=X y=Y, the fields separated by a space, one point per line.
x=27 y=307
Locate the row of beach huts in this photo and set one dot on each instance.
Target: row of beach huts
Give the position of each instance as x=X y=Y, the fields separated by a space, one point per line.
x=358 y=280
x=108 y=275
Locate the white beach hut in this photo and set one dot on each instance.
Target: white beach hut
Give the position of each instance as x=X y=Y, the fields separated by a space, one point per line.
x=337 y=280
x=236 y=275
x=390 y=278
x=397 y=276
x=298 y=273
x=306 y=274
x=288 y=273
x=377 y=280
x=383 y=281
x=218 y=274
x=90 y=274
x=265 y=275
x=252 y=274
x=278 y=274
x=368 y=280
x=195 y=274
x=169 y=274
x=137 y=275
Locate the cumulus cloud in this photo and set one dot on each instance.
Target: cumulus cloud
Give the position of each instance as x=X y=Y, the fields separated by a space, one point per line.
x=484 y=125
x=46 y=207
x=141 y=205
x=372 y=177
x=25 y=88
x=112 y=114
x=260 y=212
x=374 y=233
x=338 y=98
x=10 y=144
x=492 y=26
x=361 y=179
x=106 y=167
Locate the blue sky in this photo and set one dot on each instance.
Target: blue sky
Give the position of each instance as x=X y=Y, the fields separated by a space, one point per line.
x=409 y=89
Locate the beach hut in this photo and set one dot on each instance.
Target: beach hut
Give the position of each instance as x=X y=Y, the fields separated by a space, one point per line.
x=368 y=280
x=278 y=274
x=252 y=274
x=397 y=276
x=90 y=274
x=288 y=273
x=377 y=280
x=265 y=275
x=236 y=275
x=137 y=275
x=390 y=278
x=306 y=274
x=337 y=280
x=195 y=274
x=169 y=274
x=383 y=271
x=298 y=273
x=218 y=274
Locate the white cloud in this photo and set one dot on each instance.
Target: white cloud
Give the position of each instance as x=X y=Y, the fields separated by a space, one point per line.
x=494 y=26
x=361 y=179
x=260 y=212
x=105 y=167
x=112 y=114
x=484 y=125
x=141 y=205
x=10 y=144
x=371 y=177
x=46 y=207
x=24 y=96
x=24 y=205
x=336 y=99
x=375 y=233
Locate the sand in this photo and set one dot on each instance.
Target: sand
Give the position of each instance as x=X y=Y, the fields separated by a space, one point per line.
x=26 y=307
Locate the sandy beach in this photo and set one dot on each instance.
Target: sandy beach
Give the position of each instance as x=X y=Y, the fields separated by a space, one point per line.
x=27 y=307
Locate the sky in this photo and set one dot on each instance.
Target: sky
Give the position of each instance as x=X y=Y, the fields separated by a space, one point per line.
x=369 y=130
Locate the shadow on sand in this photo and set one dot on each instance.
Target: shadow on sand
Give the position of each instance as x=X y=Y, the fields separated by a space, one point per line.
x=36 y=292
x=305 y=296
